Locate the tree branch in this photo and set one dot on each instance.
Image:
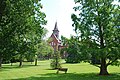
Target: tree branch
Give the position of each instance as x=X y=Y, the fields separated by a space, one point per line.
x=109 y=63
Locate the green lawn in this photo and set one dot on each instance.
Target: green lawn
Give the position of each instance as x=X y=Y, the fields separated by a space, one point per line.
x=82 y=71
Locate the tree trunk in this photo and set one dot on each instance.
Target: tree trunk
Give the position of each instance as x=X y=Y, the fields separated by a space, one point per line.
x=103 y=68
x=0 y=62
x=11 y=63
x=20 y=65
x=35 y=62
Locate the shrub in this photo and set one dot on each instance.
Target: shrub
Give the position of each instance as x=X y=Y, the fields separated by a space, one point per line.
x=55 y=62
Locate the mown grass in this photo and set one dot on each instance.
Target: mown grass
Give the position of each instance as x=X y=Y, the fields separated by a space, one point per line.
x=82 y=71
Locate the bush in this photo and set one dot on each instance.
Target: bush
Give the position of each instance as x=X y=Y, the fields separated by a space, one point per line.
x=55 y=62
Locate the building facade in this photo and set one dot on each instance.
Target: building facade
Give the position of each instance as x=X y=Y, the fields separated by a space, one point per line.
x=55 y=42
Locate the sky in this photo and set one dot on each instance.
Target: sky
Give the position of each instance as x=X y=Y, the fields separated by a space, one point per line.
x=60 y=11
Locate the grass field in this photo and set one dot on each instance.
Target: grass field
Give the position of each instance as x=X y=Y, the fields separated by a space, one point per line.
x=82 y=71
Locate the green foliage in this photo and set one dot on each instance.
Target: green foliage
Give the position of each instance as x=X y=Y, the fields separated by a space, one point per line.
x=72 y=51
x=55 y=62
x=97 y=26
x=20 y=27
x=44 y=50
x=64 y=40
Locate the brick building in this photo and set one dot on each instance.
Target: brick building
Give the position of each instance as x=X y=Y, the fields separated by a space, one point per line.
x=55 y=42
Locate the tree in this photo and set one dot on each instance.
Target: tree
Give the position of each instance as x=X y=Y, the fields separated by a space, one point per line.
x=55 y=62
x=6 y=40
x=71 y=49
x=98 y=27
x=44 y=50
x=20 y=24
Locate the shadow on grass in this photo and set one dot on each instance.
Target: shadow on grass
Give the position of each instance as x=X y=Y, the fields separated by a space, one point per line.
x=8 y=67
x=72 y=76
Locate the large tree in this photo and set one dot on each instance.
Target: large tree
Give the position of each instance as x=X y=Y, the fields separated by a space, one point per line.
x=20 y=26
x=98 y=27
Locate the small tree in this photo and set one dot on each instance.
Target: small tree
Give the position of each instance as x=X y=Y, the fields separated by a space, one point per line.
x=55 y=62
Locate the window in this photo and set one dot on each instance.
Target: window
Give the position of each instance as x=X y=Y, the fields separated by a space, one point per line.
x=52 y=43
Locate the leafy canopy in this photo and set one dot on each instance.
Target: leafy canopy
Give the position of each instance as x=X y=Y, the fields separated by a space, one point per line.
x=98 y=27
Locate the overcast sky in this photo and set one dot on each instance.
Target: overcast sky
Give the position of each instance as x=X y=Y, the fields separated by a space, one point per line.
x=60 y=11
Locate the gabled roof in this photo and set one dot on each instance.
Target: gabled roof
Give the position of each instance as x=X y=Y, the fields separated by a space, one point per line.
x=56 y=38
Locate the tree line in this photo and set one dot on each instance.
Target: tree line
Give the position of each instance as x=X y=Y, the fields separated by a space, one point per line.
x=21 y=29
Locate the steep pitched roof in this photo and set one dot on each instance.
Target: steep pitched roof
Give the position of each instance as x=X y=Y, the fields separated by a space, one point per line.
x=56 y=28
x=56 y=38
